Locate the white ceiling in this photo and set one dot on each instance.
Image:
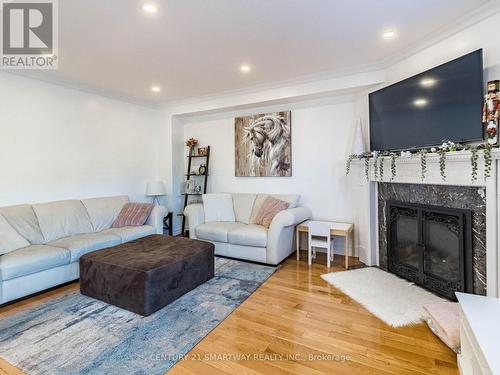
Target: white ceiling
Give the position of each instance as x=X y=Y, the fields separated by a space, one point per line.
x=195 y=47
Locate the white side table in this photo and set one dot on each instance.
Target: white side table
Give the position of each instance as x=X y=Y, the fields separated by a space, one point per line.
x=479 y=334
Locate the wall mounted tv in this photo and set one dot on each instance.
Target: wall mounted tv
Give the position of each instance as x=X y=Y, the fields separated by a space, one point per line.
x=443 y=103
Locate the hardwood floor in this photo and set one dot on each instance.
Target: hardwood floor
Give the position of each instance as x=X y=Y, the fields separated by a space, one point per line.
x=296 y=323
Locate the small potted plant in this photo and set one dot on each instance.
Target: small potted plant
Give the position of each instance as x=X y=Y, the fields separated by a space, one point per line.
x=191 y=143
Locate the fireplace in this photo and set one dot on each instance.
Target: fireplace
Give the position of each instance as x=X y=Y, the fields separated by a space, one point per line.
x=431 y=246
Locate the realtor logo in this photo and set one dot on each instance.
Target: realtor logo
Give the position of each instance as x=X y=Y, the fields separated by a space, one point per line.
x=29 y=34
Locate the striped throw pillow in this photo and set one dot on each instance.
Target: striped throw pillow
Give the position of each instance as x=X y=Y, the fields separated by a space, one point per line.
x=133 y=215
x=269 y=209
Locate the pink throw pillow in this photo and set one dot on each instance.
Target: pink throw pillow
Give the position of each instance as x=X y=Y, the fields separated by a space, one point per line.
x=443 y=320
x=269 y=209
x=133 y=215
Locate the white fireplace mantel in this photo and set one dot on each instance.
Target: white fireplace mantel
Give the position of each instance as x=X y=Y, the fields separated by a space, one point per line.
x=458 y=173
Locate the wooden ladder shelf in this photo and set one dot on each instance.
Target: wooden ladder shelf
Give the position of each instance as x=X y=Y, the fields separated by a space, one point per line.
x=204 y=176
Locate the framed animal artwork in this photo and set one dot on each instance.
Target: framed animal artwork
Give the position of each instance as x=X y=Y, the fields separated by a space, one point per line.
x=263 y=145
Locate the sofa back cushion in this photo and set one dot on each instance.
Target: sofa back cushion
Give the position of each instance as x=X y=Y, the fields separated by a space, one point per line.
x=218 y=207
x=23 y=219
x=243 y=206
x=133 y=215
x=104 y=211
x=10 y=240
x=62 y=219
x=291 y=199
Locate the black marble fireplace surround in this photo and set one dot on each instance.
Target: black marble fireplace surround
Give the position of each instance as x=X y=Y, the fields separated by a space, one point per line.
x=453 y=197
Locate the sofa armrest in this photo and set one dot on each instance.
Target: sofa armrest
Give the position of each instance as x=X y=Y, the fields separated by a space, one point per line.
x=292 y=216
x=195 y=215
x=156 y=217
x=281 y=233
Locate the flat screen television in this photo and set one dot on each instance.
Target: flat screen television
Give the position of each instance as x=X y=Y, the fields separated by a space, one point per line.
x=443 y=103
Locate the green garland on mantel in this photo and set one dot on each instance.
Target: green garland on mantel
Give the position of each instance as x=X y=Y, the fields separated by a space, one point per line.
x=442 y=151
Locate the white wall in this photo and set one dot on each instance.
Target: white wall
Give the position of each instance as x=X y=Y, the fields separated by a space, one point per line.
x=321 y=138
x=58 y=143
x=319 y=147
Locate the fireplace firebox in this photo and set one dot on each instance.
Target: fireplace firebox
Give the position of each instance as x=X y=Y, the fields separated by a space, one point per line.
x=430 y=246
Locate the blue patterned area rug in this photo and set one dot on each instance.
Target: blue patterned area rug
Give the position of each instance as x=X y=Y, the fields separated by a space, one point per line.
x=75 y=334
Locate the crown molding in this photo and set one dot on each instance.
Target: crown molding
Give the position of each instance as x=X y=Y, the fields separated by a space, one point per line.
x=297 y=102
x=489 y=9
x=304 y=80
x=77 y=86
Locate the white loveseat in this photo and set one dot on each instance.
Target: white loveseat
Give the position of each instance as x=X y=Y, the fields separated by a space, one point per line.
x=241 y=239
x=57 y=234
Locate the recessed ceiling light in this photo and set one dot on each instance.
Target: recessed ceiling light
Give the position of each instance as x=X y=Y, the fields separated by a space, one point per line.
x=245 y=68
x=150 y=8
x=420 y=102
x=389 y=34
x=427 y=82
x=155 y=88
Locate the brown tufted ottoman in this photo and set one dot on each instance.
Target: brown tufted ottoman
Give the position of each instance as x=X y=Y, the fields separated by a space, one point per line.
x=147 y=274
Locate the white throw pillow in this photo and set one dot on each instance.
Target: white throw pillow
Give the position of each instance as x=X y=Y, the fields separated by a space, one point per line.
x=10 y=240
x=218 y=207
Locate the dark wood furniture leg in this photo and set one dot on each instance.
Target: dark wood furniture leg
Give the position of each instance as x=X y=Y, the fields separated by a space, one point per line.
x=168 y=224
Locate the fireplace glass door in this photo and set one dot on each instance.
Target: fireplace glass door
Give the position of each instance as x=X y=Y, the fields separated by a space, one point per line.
x=430 y=246
x=406 y=238
x=442 y=237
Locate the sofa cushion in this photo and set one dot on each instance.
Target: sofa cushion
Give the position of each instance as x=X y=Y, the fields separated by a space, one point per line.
x=32 y=259
x=216 y=231
x=104 y=211
x=10 y=240
x=248 y=235
x=127 y=234
x=218 y=207
x=24 y=221
x=86 y=243
x=243 y=205
x=291 y=199
x=62 y=219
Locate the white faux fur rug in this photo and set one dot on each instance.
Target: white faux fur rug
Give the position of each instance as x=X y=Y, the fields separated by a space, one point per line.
x=393 y=300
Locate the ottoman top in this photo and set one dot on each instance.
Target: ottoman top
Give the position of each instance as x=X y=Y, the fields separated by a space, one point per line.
x=149 y=253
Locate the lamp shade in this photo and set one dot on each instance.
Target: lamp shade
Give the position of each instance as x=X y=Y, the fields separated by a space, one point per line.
x=155 y=189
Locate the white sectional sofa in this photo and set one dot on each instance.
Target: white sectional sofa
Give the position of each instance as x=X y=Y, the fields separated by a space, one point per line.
x=59 y=233
x=239 y=238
